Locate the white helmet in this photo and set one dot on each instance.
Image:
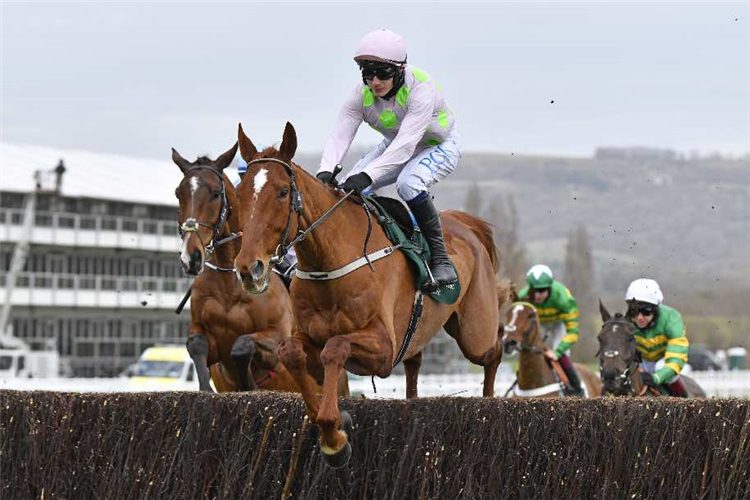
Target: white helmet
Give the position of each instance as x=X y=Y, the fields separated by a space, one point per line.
x=645 y=290
x=382 y=45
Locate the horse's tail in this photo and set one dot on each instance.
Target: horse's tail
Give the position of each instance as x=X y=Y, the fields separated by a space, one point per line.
x=482 y=230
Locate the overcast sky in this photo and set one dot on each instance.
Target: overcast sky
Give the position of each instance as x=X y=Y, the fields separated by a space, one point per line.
x=139 y=78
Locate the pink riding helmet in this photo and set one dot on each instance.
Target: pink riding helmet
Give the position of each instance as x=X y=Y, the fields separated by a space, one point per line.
x=382 y=45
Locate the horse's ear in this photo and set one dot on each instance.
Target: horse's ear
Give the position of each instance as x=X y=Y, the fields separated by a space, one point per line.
x=224 y=160
x=289 y=143
x=605 y=314
x=247 y=148
x=180 y=161
x=513 y=293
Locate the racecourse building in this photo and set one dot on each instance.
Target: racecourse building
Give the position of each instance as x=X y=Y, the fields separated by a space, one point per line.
x=101 y=277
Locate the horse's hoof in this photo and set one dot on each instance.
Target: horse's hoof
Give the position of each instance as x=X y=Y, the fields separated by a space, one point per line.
x=346 y=421
x=340 y=458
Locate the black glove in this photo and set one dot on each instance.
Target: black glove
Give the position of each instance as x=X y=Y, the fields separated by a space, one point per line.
x=648 y=379
x=356 y=182
x=328 y=178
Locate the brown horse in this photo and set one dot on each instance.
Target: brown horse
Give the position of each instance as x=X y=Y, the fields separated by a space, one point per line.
x=357 y=321
x=536 y=377
x=233 y=332
x=619 y=360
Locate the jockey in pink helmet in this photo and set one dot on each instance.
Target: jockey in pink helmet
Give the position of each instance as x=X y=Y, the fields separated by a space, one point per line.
x=421 y=145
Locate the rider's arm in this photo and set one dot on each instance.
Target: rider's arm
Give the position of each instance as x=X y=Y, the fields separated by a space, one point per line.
x=419 y=111
x=524 y=293
x=349 y=120
x=677 y=349
x=569 y=314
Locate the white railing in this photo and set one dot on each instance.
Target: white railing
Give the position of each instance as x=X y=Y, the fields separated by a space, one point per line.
x=81 y=290
x=716 y=384
x=70 y=229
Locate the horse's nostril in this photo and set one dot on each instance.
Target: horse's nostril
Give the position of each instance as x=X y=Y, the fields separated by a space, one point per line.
x=195 y=261
x=256 y=271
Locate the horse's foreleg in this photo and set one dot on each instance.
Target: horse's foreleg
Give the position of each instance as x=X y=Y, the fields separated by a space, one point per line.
x=371 y=349
x=333 y=442
x=292 y=355
x=197 y=346
x=243 y=350
x=411 y=367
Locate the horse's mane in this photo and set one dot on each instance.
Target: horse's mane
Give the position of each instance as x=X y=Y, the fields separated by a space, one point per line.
x=482 y=229
x=203 y=160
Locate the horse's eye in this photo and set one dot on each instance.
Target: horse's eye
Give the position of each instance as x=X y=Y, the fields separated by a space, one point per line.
x=215 y=194
x=284 y=191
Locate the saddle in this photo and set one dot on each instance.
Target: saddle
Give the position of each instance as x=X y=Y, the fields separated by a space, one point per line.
x=397 y=222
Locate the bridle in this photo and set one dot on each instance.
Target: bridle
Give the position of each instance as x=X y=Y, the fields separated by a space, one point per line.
x=296 y=205
x=631 y=364
x=534 y=324
x=191 y=224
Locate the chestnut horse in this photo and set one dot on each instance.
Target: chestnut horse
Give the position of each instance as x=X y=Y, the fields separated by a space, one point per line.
x=356 y=322
x=235 y=333
x=536 y=377
x=619 y=360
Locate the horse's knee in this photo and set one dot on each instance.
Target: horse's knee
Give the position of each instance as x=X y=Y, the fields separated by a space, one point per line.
x=197 y=346
x=291 y=353
x=336 y=352
x=243 y=347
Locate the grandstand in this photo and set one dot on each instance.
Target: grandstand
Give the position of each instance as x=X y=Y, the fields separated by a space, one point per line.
x=101 y=279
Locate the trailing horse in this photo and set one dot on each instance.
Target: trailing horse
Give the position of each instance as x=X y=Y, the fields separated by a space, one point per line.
x=359 y=320
x=234 y=332
x=536 y=376
x=619 y=360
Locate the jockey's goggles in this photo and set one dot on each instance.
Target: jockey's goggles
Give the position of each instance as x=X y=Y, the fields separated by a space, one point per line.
x=644 y=309
x=382 y=70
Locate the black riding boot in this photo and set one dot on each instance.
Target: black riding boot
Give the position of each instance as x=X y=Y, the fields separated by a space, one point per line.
x=428 y=220
x=574 y=380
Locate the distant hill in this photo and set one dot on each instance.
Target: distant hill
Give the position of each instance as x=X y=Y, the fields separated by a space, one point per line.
x=685 y=222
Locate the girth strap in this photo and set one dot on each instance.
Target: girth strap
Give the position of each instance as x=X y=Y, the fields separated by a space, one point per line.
x=416 y=314
x=343 y=271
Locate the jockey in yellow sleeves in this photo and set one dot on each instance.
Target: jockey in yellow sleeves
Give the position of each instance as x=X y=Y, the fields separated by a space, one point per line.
x=659 y=336
x=558 y=315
